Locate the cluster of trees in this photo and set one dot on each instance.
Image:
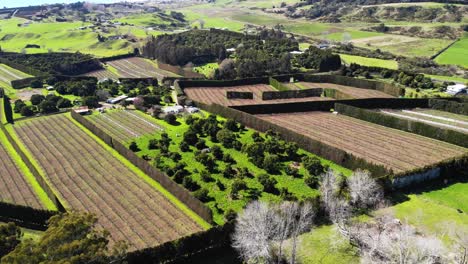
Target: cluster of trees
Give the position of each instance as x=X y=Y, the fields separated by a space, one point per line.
x=264 y=54
x=413 y=80
x=41 y=104
x=315 y=58
x=78 y=87
x=70 y=238
x=53 y=63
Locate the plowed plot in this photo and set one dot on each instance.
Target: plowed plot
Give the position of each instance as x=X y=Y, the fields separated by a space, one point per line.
x=8 y=74
x=217 y=95
x=124 y=125
x=138 y=68
x=89 y=178
x=13 y=186
x=396 y=150
x=357 y=93
x=103 y=74
x=433 y=117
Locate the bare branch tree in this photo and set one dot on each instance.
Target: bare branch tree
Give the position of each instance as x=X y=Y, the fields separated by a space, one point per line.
x=364 y=191
x=459 y=250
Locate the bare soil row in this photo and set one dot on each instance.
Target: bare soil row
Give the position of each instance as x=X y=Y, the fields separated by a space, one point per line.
x=396 y=150
x=357 y=93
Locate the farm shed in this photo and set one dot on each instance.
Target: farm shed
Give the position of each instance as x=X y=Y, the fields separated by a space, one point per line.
x=173 y=109
x=116 y=99
x=456 y=89
x=83 y=110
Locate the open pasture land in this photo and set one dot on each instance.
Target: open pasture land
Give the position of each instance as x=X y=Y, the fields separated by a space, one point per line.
x=124 y=125
x=357 y=93
x=403 y=45
x=433 y=117
x=139 y=68
x=14 y=187
x=210 y=95
x=89 y=178
x=394 y=149
x=456 y=54
x=369 y=62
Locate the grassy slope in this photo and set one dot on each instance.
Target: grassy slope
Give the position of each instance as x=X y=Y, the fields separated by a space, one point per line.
x=456 y=54
x=371 y=62
x=145 y=177
x=60 y=37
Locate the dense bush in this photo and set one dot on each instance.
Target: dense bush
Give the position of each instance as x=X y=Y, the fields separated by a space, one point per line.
x=315 y=58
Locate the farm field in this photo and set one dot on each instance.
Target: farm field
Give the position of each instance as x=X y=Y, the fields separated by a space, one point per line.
x=15 y=186
x=124 y=125
x=89 y=177
x=433 y=117
x=394 y=149
x=217 y=95
x=220 y=200
x=369 y=62
x=456 y=54
x=138 y=68
x=8 y=74
x=103 y=74
x=357 y=93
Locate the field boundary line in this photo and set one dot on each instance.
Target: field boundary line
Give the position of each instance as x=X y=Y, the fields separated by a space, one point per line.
x=426 y=121
x=15 y=140
x=205 y=225
x=436 y=117
x=27 y=174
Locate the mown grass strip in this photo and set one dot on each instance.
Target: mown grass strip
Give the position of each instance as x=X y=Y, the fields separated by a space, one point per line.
x=46 y=201
x=36 y=165
x=145 y=177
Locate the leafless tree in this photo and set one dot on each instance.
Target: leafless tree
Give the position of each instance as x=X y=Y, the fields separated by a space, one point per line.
x=387 y=240
x=459 y=236
x=364 y=191
x=263 y=228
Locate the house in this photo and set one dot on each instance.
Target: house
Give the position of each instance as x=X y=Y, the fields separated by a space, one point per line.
x=231 y=50
x=116 y=99
x=83 y=110
x=50 y=88
x=296 y=52
x=173 y=109
x=192 y=110
x=456 y=89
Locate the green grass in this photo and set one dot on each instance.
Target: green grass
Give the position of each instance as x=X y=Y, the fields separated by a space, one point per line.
x=145 y=177
x=456 y=54
x=447 y=78
x=221 y=197
x=29 y=233
x=415 y=48
x=206 y=69
x=211 y=21
x=60 y=37
x=45 y=200
x=370 y=62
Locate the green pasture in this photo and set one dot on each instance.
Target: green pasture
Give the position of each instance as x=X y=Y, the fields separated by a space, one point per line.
x=211 y=21
x=206 y=69
x=61 y=37
x=447 y=78
x=370 y=62
x=456 y=54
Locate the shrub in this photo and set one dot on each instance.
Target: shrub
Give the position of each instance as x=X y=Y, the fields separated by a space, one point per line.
x=190 y=137
x=47 y=107
x=27 y=111
x=217 y=152
x=202 y=195
x=226 y=137
x=36 y=84
x=184 y=147
x=313 y=165
x=237 y=186
x=175 y=156
x=292 y=171
x=64 y=103
x=312 y=181
x=201 y=144
x=220 y=185
x=271 y=163
x=153 y=144
x=285 y=194
x=190 y=184
x=230 y=215
x=231 y=125
x=91 y=101
x=227 y=158
x=170 y=119
x=268 y=183
x=229 y=172
x=19 y=104
x=134 y=147
x=36 y=99
x=206 y=176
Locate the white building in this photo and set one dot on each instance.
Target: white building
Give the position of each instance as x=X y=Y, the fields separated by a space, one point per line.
x=456 y=89
x=117 y=99
x=173 y=109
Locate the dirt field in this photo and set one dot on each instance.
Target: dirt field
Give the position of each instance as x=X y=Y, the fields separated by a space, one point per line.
x=102 y=74
x=217 y=95
x=124 y=125
x=357 y=93
x=8 y=74
x=396 y=150
x=89 y=178
x=432 y=117
x=138 y=68
x=13 y=186
x=25 y=94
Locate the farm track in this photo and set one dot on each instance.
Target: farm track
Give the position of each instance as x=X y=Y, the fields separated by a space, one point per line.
x=124 y=125
x=217 y=95
x=90 y=178
x=13 y=185
x=397 y=150
x=357 y=93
